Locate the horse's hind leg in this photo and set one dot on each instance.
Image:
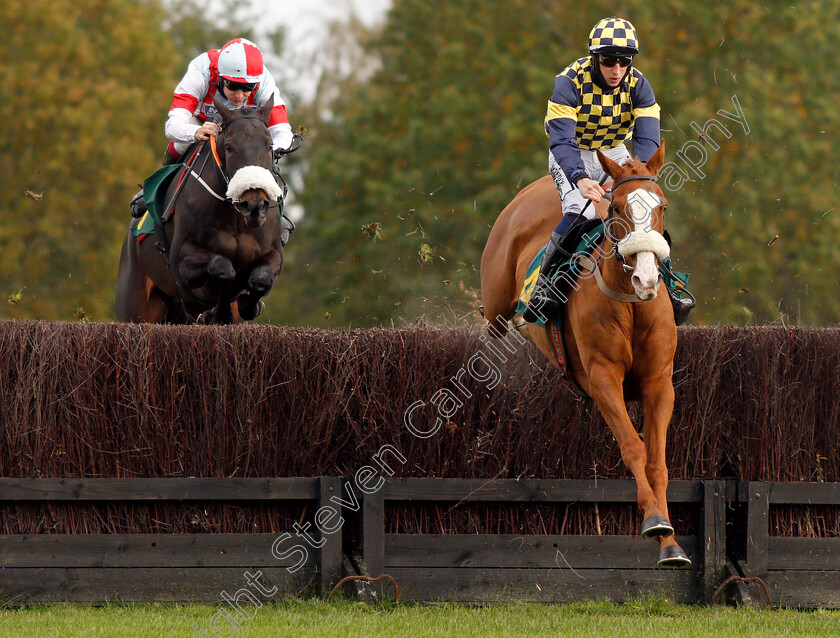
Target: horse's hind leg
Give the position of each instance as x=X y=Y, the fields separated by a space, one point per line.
x=137 y=299
x=250 y=306
x=498 y=298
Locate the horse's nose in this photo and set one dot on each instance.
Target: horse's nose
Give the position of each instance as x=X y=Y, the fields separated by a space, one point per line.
x=645 y=290
x=645 y=276
x=255 y=212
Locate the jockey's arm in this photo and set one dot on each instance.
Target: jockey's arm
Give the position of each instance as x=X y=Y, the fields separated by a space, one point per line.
x=180 y=125
x=645 y=113
x=560 y=126
x=278 y=121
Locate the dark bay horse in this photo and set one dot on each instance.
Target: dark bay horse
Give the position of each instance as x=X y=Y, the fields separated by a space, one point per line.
x=617 y=350
x=224 y=236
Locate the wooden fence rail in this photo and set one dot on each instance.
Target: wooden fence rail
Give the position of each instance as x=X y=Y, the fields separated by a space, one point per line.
x=495 y=568
x=799 y=572
x=159 y=567
x=457 y=567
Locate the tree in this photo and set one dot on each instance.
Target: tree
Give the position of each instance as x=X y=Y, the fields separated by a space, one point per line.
x=88 y=85
x=424 y=146
x=86 y=92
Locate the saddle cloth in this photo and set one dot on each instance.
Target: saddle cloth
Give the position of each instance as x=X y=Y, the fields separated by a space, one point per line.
x=584 y=241
x=154 y=192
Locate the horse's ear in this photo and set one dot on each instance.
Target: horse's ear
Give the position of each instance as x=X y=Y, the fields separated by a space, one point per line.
x=265 y=110
x=611 y=168
x=224 y=111
x=655 y=162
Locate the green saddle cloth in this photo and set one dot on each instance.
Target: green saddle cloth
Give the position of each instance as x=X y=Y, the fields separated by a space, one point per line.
x=586 y=246
x=154 y=192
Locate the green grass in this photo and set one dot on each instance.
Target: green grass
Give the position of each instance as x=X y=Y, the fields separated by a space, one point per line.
x=315 y=618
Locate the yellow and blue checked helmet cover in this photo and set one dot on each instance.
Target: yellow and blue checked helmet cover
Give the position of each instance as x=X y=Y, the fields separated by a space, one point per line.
x=613 y=34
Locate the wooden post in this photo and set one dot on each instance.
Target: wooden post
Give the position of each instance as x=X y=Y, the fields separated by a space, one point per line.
x=329 y=565
x=758 y=528
x=714 y=536
x=373 y=536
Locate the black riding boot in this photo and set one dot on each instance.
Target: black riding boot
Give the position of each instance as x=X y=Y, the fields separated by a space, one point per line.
x=138 y=205
x=288 y=227
x=681 y=307
x=544 y=302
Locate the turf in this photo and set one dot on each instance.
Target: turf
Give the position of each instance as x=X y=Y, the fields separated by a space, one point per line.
x=649 y=617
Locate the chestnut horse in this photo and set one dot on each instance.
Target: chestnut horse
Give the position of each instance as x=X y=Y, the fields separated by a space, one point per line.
x=617 y=350
x=225 y=236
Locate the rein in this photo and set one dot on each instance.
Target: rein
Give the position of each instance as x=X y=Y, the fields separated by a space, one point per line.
x=198 y=177
x=215 y=152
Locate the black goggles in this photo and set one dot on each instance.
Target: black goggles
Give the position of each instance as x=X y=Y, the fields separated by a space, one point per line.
x=611 y=60
x=240 y=86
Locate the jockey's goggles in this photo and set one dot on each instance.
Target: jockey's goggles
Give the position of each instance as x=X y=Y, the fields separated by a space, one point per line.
x=611 y=60
x=240 y=86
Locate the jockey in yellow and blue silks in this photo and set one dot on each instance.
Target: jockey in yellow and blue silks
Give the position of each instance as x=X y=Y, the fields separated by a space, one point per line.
x=599 y=102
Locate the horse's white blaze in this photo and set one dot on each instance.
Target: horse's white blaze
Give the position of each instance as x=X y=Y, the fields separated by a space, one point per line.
x=644 y=242
x=249 y=177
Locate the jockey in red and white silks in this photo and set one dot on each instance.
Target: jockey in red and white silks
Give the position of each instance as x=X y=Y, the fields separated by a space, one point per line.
x=239 y=66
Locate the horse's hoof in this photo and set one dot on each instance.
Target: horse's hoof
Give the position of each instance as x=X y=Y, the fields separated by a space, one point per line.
x=656 y=526
x=206 y=318
x=673 y=557
x=220 y=268
x=248 y=316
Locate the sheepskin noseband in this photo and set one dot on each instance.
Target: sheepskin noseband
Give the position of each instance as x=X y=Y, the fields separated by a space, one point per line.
x=640 y=241
x=249 y=177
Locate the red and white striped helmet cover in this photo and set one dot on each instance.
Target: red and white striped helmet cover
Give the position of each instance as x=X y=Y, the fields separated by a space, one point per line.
x=241 y=60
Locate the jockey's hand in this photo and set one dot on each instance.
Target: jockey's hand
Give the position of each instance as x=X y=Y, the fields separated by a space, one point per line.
x=206 y=130
x=590 y=189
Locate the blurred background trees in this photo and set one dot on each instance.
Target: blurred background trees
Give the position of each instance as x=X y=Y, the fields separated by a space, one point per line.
x=419 y=133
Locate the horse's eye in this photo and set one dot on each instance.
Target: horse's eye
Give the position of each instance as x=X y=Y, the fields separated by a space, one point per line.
x=228 y=148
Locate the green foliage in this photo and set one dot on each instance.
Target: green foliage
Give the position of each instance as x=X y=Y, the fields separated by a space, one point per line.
x=195 y=27
x=86 y=93
x=435 y=137
x=88 y=86
x=420 y=134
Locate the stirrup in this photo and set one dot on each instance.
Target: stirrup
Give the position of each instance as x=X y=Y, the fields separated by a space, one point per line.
x=547 y=307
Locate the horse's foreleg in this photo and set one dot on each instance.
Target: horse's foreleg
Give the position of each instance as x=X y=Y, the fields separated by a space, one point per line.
x=260 y=280
x=605 y=386
x=197 y=266
x=658 y=406
x=264 y=273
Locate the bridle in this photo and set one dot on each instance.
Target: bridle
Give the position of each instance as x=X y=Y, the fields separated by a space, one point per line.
x=235 y=202
x=592 y=267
